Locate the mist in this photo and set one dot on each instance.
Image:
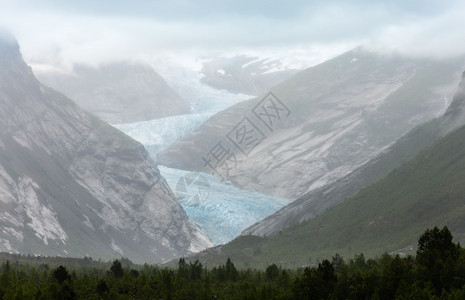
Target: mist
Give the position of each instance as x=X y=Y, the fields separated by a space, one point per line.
x=57 y=35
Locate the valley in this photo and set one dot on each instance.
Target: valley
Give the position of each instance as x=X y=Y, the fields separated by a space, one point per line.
x=227 y=210
x=232 y=150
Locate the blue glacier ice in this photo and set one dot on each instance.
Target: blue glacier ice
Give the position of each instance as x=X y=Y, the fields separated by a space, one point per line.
x=222 y=211
x=226 y=210
x=187 y=83
x=158 y=134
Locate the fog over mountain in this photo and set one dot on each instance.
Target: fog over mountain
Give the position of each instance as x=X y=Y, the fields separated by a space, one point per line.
x=382 y=207
x=244 y=74
x=312 y=204
x=156 y=129
x=326 y=121
x=118 y=92
x=72 y=185
x=107 y=31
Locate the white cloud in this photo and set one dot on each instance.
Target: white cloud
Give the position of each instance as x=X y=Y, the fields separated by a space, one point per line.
x=94 y=32
x=438 y=36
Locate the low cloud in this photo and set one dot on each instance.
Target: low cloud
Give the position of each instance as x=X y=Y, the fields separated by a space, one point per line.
x=95 y=32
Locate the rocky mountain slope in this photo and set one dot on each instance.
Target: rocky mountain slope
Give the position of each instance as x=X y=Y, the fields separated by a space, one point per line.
x=118 y=92
x=315 y=202
x=326 y=121
x=386 y=216
x=244 y=74
x=72 y=185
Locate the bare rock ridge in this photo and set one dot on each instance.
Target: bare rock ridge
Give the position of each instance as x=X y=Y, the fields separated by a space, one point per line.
x=72 y=185
x=118 y=92
x=244 y=74
x=343 y=113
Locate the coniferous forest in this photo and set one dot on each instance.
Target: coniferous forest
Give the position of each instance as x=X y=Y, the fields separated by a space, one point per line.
x=437 y=272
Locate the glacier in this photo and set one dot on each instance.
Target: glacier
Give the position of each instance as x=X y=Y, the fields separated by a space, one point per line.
x=187 y=83
x=156 y=135
x=227 y=210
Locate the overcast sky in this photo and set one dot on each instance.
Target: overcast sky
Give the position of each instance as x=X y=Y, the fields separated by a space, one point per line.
x=59 y=32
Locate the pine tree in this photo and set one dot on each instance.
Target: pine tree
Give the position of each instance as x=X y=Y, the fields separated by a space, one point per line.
x=117 y=269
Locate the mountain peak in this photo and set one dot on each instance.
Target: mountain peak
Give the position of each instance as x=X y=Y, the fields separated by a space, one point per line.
x=13 y=69
x=9 y=47
x=71 y=184
x=118 y=92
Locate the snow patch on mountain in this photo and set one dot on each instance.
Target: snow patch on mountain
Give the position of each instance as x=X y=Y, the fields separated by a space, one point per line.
x=22 y=141
x=43 y=219
x=88 y=222
x=115 y=247
x=5 y=246
x=187 y=83
x=13 y=233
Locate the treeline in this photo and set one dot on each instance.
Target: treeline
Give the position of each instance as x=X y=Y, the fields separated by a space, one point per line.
x=437 y=272
x=55 y=261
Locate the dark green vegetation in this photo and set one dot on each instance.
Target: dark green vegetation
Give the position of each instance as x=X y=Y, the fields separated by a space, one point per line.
x=386 y=216
x=389 y=214
x=437 y=272
x=405 y=149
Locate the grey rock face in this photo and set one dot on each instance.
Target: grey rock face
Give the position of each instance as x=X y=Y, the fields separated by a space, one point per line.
x=118 y=92
x=344 y=113
x=455 y=114
x=72 y=185
x=317 y=201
